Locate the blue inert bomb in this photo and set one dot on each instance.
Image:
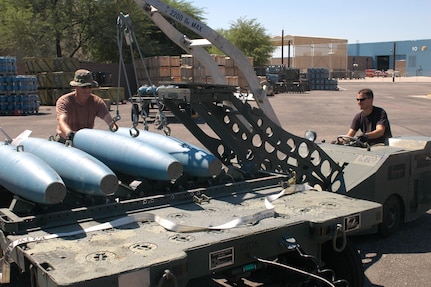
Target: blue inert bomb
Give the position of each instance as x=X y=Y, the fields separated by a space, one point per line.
x=29 y=177
x=127 y=155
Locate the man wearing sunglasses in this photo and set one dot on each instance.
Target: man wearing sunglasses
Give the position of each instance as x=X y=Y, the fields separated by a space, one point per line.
x=372 y=121
x=79 y=108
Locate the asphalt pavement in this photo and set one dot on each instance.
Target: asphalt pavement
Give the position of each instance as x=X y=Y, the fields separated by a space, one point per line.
x=404 y=258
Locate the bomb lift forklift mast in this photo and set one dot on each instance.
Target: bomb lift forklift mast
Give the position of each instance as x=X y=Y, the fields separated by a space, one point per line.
x=249 y=137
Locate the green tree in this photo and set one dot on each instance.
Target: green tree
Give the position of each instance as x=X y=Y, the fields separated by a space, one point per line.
x=251 y=38
x=150 y=36
x=88 y=30
x=17 y=35
x=47 y=28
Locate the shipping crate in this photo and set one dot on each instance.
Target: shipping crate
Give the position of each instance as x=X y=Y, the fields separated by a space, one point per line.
x=229 y=62
x=114 y=94
x=187 y=60
x=175 y=61
x=54 y=80
x=44 y=97
x=49 y=97
x=186 y=71
x=160 y=61
x=219 y=59
x=232 y=80
x=242 y=83
x=35 y=65
x=156 y=72
x=57 y=93
x=66 y=65
x=177 y=79
x=175 y=72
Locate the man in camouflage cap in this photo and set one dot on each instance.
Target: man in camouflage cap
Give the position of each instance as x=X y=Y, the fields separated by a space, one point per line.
x=83 y=78
x=79 y=108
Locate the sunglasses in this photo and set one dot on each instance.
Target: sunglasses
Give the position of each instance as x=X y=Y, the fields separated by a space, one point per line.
x=361 y=99
x=86 y=87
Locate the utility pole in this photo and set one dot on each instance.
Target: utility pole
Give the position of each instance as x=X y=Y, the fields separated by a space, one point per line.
x=288 y=53
x=393 y=62
x=282 y=47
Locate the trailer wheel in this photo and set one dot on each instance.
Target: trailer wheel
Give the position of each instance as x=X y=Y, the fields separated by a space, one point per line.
x=346 y=264
x=391 y=216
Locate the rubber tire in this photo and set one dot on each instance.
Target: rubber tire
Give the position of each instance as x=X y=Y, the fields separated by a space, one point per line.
x=391 y=216
x=346 y=264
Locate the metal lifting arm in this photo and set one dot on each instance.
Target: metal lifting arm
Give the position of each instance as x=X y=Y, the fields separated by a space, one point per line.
x=217 y=40
x=187 y=45
x=247 y=137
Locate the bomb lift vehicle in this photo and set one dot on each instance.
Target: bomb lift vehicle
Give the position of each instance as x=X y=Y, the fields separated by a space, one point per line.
x=279 y=213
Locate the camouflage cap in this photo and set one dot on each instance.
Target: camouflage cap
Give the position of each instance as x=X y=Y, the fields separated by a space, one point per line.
x=83 y=78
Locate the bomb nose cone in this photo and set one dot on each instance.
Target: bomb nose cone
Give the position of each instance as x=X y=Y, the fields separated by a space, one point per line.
x=55 y=192
x=175 y=170
x=109 y=184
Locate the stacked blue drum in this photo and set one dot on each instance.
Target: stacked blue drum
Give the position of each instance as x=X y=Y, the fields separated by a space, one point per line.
x=18 y=93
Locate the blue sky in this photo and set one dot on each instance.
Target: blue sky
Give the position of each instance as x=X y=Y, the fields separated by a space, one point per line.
x=357 y=21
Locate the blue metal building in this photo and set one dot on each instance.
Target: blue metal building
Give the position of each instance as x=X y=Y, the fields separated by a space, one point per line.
x=408 y=58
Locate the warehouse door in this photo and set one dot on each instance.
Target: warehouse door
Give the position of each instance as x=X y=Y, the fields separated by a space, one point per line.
x=382 y=63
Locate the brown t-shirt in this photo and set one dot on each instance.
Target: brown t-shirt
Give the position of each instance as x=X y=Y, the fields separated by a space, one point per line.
x=80 y=116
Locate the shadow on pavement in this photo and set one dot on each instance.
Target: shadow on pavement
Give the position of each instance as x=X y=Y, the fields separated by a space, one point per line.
x=411 y=238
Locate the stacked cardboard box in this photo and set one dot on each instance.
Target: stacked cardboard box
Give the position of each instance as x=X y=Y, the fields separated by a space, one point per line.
x=193 y=71
x=159 y=69
x=187 y=69
x=111 y=95
x=53 y=76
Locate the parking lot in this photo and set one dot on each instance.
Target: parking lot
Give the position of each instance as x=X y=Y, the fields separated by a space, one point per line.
x=403 y=259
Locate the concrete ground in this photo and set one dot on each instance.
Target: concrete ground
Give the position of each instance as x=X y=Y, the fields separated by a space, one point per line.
x=403 y=259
